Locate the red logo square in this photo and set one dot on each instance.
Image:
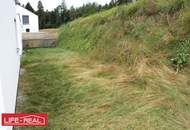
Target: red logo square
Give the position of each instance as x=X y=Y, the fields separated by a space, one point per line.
x=24 y=119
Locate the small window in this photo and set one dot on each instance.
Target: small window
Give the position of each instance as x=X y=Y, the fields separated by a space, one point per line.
x=25 y=19
x=27 y=30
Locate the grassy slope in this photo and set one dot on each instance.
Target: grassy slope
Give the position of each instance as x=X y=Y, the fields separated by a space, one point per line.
x=122 y=84
x=128 y=33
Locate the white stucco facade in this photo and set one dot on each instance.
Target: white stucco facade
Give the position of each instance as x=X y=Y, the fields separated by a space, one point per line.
x=32 y=24
x=10 y=52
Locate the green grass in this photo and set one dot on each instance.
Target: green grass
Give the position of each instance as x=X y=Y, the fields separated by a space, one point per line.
x=78 y=94
x=112 y=71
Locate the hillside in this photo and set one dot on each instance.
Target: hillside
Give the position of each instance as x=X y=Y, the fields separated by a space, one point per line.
x=122 y=69
x=128 y=34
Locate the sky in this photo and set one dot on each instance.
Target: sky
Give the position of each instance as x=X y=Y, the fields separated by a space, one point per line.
x=51 y=4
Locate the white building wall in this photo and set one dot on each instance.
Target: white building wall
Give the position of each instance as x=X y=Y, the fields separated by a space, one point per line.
x=33 y=19
x=9 y=58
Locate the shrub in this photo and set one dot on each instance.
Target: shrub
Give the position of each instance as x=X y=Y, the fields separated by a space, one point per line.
x=182 y=55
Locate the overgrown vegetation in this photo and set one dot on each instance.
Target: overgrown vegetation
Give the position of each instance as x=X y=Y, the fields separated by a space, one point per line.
x=113 y=71
x=79 y=93
x=182 y=55
x=126 y=34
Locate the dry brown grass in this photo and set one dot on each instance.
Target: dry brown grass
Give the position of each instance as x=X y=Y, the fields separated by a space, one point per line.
x=145 y=96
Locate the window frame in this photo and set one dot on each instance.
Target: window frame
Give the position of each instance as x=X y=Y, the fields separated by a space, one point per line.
x=25 y=19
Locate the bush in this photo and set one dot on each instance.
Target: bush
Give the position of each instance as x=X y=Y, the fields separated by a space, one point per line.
x=182 y=55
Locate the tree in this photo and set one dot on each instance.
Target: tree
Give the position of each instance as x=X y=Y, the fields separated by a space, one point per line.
x=63 y=5
x=40 y=7
x=40 y=12
x=17 y=2
x=29 y=7
x=119 y=2
x=64 y=16
x=113 y=3
x=58 y=16
x=72 y=13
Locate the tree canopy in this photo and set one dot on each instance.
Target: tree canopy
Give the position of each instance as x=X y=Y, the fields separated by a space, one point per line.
x=29 y=7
